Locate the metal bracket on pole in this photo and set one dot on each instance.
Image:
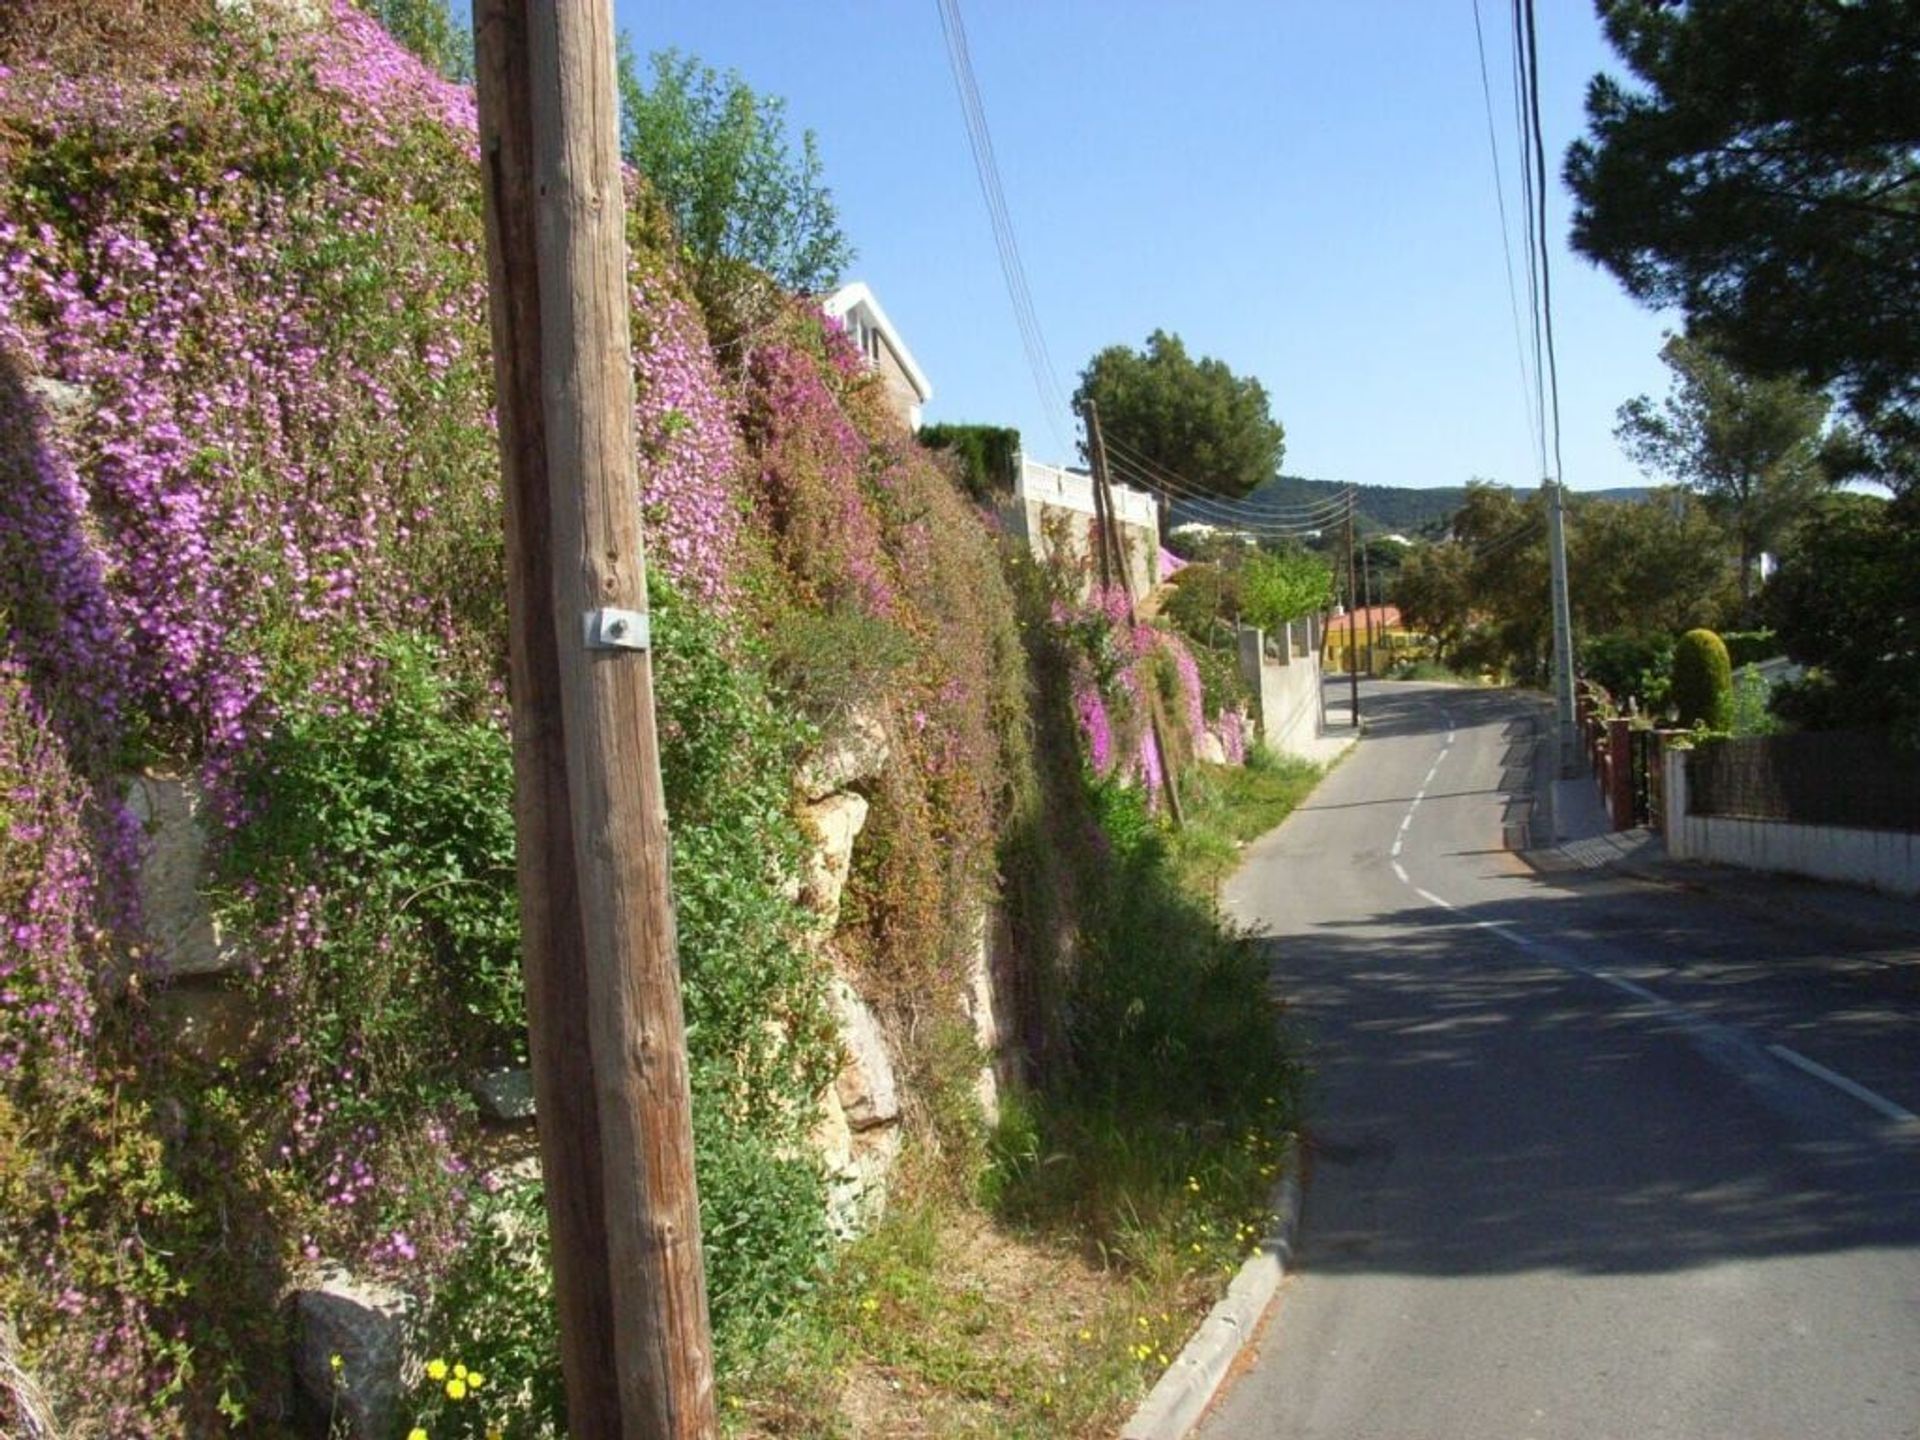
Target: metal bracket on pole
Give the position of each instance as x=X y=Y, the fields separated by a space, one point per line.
x=617 y=629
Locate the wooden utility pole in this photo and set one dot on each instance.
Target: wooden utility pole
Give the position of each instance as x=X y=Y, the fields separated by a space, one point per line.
x=1109 y=541
x=603 y=991
x=1104 y=532
x=1353 y=623
x=1366 y=589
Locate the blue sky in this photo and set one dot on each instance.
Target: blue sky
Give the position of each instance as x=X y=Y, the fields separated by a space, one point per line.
x=1304 y=191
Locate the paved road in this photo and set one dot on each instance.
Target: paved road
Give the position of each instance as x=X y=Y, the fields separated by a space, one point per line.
x=1584 y=1163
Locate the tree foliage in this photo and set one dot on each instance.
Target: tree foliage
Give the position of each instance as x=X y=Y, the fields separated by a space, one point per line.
x=988 y=456
x=717 y=154
x=1751 y=448
x=1276 y=587
x=1196 y=419
x=1845 y=601
x=1635 y=567
x=430 y=30
x=1763 y=176
x=1657 y=566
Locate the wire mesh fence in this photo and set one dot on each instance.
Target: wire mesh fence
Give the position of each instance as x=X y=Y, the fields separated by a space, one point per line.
x=1856 y=779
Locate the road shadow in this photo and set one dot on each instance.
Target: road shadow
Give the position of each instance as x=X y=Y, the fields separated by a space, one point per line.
x=1480 y=1111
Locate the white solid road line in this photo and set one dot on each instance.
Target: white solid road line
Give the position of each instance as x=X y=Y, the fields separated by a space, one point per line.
x=1896 y=1113
x=1433 y=899
x=1399 y=869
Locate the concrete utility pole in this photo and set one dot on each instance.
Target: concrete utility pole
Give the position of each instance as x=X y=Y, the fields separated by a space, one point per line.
x=1108 y=540
x=603 y=987
x=1565 y=725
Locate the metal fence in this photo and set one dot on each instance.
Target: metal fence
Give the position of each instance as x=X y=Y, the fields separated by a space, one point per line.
x=1855 y=779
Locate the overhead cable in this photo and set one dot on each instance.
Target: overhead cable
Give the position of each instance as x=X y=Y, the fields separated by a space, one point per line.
x=1540 y=187
x=1226 y=511
x=1013 y=272
x=1529 y=213
x=1506 y=237
x=1174 y=481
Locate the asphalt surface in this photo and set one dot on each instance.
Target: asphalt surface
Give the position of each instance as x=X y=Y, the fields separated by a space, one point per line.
x=1588 y=1157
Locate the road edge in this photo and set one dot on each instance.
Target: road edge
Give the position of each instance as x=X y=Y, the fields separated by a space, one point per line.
x=1188 y=1386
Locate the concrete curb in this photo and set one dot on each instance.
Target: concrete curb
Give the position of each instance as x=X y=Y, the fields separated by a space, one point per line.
x=1182 y=1394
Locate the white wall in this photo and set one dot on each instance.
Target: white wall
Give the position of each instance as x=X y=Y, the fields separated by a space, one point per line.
x=1047 y=493
x=1887 y=860
x=1286 y=686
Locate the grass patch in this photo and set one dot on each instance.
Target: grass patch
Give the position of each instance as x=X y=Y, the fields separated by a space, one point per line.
x=1229 y=805
x=1120 y=1192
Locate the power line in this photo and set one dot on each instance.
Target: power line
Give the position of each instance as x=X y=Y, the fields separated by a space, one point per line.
x=1517 y=61
x=1006 y=244
x=1225 y=517
x=1173 y=480
x=1499 y=545
x=1540 y=186
x=1229 y=510
x=1506 y=237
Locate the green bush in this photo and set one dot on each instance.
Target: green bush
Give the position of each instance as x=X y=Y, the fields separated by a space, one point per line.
x=1750 y=647
x=1629 y=665
x=1702 y=690
x=988 y=457
x=1276 y=588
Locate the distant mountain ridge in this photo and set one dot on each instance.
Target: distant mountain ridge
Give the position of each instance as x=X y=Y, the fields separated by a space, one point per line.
x=1394 y=509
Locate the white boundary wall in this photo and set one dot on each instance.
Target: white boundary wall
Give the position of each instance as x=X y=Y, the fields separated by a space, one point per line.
x=1283 y=671
x=1887 y=860
x=1068 y=495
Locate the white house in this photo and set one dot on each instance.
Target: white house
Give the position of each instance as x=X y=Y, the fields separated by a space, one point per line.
x=855 y=307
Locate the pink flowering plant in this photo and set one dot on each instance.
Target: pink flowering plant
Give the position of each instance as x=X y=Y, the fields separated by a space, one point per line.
x=249 y=528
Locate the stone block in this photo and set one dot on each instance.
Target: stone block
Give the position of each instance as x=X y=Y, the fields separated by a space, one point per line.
x=503 y=1095
x=365 y=1324
x=836 y=823
x=854 y=750
x=865 y=1086
x=184 y=937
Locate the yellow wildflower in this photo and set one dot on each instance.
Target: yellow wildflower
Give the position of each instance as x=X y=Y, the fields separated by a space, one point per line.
x=456 y=1389
x=416 y=1433
x=335 y=1363
x=436 y=1369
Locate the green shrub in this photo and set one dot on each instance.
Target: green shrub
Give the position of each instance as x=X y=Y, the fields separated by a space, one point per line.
x=1702 y=681
x=987 y=456
x=1750 y=647
x=1276 y=588
x=1629 y=665
x=1752 y=697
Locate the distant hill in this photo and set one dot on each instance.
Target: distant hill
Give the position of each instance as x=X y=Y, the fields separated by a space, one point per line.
x=1392 y=509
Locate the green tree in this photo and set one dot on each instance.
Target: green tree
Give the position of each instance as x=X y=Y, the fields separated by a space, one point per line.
x=988 y=456
x=1277 y=587
x=1845 y=601
x=428 y=28
x=1196 y=419
x=1436 y=595
x=1652 y=567
x=1752 y=449
x=718 y=156
x=1763 y=176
